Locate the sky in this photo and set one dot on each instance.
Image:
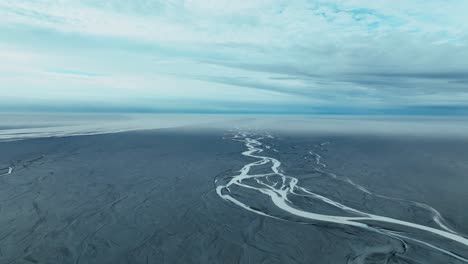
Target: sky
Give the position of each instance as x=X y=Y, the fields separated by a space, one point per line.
x=259 y=56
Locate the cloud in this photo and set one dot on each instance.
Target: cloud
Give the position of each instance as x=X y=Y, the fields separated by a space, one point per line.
x=255 y=54
x=75 y=72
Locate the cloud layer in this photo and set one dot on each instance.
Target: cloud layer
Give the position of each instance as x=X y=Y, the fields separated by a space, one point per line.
x=239 y=56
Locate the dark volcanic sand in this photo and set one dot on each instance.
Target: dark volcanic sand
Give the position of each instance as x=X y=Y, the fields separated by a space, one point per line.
x=149 y=197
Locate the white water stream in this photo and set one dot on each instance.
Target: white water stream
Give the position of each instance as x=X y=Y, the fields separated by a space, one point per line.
x=280 y=191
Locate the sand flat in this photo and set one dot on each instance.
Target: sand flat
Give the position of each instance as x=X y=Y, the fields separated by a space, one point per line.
x=150 y=197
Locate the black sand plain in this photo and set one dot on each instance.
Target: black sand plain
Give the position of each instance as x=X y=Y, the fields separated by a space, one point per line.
x=149 y=197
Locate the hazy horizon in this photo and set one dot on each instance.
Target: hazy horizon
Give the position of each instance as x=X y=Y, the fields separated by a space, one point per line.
x=20 y=126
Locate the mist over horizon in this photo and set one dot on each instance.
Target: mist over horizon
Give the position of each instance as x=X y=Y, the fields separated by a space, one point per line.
x=19 y=126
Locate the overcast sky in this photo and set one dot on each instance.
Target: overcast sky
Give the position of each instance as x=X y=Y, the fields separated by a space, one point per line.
x=240 y=56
